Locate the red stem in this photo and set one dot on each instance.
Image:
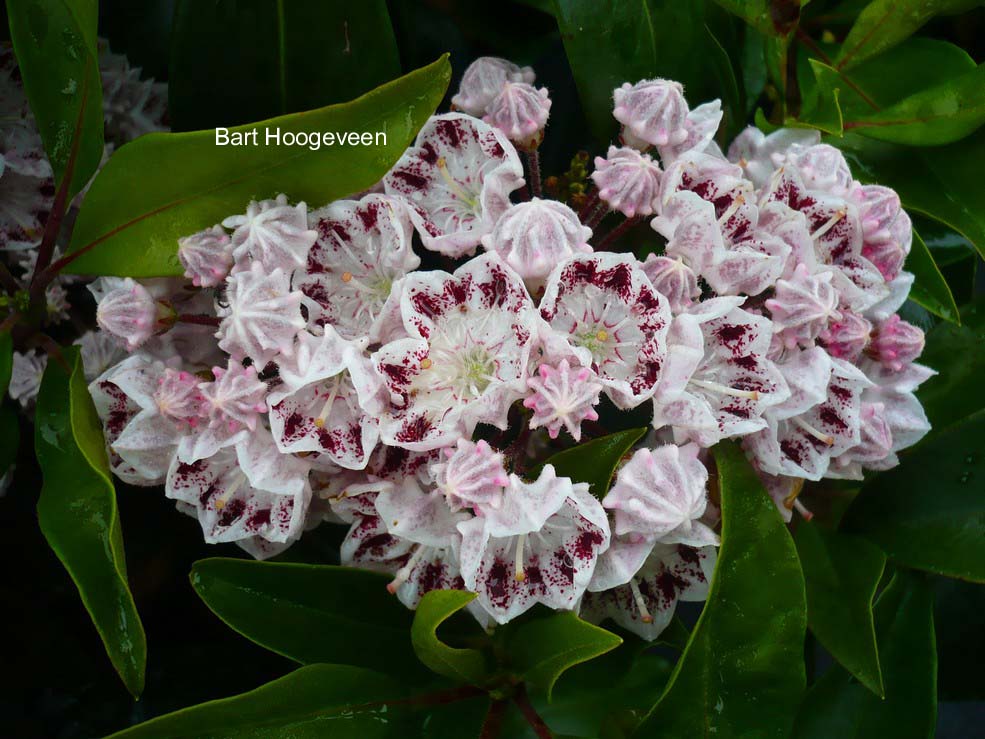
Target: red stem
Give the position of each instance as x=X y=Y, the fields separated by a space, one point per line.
x=590 y=203
x=533 y=164
x=494 y=720
x=600 y=212
x=618 y=231
x=199 y=319
x=530 y=713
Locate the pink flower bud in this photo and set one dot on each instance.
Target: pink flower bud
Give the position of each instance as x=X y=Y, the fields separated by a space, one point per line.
x=520 y=112
x=847 y=337
x=886 y=228
x=563 y=396
x=673 y=279
x=823 y=167
x=628 y=181
x=653 y=110
x=803 y=305
x=178 y=397
x=206 y=256
x=473 y=476
x=484 y=80
x=236 y=398
x=896 y=343
x=129 y=312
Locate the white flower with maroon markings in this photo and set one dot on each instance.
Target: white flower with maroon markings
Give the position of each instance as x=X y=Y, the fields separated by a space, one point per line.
x=661 y=494
x=465 y=361
x=483 y=80
x=613 y=320
x=894 y=390
x=472 y=475
x=875 y=447
x=822 y=167
x=563 y=396
x=760 y=155
x=328 y=401
x=540 y=546
x=803 y=306
x=533 y=237
x=647 y=603
x=718 y=381
x=457 y=177
x=363 y=248
x=628 y=181
x=262 y=315
x=273 y=233
x=207 y=256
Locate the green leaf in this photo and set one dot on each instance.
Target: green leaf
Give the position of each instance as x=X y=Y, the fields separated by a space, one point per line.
x=742 y=671
x=542 y=649
x=594 y=461
x=461 y=665
x=163 y=186
x=609 y=42
x=958 y=355
x=315 y=701
x=55 y=43
x=823 y=109
x=838 y=706
x=772 y=17
x=10 y=437
x=929 y=512
x=311 y=613
x=6 y=361
x=78 y=516
x=944 y=182
x=883 y=24
x=930 y=289
x=931 y=117
x=287 y=57
x=842 y=573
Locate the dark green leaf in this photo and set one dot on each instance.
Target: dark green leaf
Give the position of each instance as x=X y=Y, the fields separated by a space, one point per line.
x=885 y=23
x=6 y=361
x=287 y=57
x=838 y=706
x=958 y=355
x=315 y=701
x=842 y=573
x=930 y=289
x=540 y=650
x=461 y=665
x=311 y=613
x=772 y=17
x=78 y=516
x=823 y=109
x=595 y=461
x=943 y=182
x=609 y=42
x=10 y=437
x=931 y=117
x=742 y=672
x=164 y=186
x=929 y=513
x=55 y=42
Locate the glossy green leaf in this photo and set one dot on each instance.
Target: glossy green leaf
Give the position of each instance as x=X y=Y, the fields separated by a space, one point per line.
x=838 y=706
x=823 y=109
x=930 y=289
x=883 y=24
x=461 y=665
x=164 y=186
x=287 y=57
x=542 y=649
x=958 y=355
x=932 y=117
x=311 y=613
x=772 y=17
x=942 y=182
x=841 y=573
x=742 y=671
x=55 y=43
x=6 y=361
x=609 y=42
x=315 y=701
x=595 y=461
x=929 y=513
x=10 y=437
x=78 y=515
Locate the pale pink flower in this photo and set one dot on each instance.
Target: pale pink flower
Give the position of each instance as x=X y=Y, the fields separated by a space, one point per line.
x=520 y=111
x=628 y=181
x=483 y=80
x=653 y=110
x=562 y=396
x=206 y=256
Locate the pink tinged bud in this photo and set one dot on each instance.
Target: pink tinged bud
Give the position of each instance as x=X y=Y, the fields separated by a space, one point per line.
x=535 y=236
x=823 y=167
x=803 y=306
x=206 y=256
x=179 y=398
x=520 y=112
x=896 y=343
x=129 y=312
x=473 y=476
x=847 y=337
x=563 y=396
x=236 y=397
x=673 y=279
x=628 y=181
x=484 y=79
x=886 y=228
x=653 y=110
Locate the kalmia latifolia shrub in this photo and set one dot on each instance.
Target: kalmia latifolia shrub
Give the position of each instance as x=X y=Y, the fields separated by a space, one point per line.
x=309 y=371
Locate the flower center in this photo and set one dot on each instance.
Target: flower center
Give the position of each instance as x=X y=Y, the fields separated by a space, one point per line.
x=596 y=341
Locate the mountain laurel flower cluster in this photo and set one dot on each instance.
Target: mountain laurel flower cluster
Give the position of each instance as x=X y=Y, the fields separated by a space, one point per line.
x=307 y=369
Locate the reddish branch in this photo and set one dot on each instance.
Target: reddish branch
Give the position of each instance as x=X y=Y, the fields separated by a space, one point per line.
x=494 y=720
x=530 y=714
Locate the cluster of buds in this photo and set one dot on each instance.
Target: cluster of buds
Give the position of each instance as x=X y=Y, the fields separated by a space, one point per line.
x=306 y=370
